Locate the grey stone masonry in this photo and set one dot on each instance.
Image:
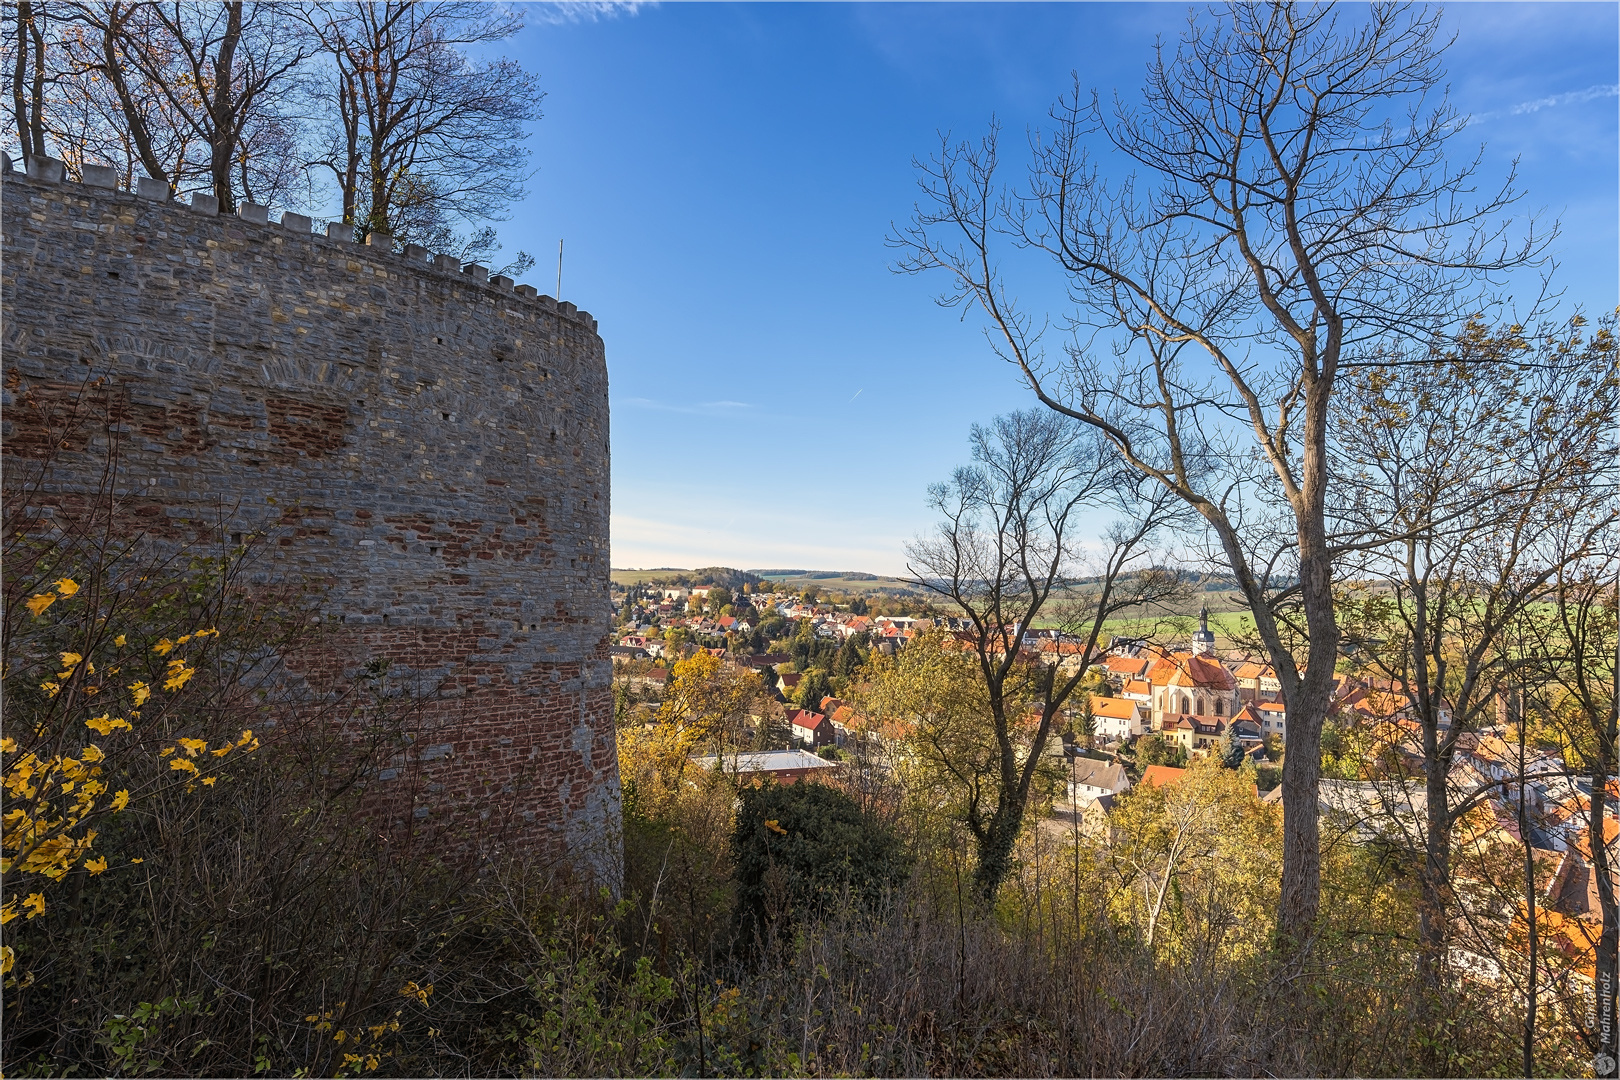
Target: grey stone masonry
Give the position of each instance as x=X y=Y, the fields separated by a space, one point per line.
x=428 y=448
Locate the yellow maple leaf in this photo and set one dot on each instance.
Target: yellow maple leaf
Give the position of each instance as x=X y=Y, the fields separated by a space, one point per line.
x=193 y=746
x=35 y=903
x=120 y=640
x=96 y=865
x=67 y=586
x=164 y=647
x=140 y=691
x=106 y=724
x=38 y=604
x=179 y=675
x=183 y=765
x=120 y=801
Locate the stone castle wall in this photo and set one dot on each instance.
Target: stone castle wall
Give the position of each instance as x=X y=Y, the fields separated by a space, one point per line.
x=429 y=446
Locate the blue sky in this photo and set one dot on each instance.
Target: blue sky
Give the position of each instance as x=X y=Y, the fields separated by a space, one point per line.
x=725 y=177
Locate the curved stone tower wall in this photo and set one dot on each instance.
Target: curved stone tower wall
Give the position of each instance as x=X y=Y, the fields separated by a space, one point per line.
x=430 y=446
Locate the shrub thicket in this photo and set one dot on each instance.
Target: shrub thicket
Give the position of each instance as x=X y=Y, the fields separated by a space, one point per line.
x=803 y=849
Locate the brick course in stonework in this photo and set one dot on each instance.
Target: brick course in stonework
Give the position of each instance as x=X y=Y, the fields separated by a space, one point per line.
x=429 y=447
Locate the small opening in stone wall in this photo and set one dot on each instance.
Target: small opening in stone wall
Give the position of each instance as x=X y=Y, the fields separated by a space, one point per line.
x=438 y=341
x=236 y=538
x=385 y=620
x=553 y=436
x=113 y=274
x=433 y=551
x=445 y=415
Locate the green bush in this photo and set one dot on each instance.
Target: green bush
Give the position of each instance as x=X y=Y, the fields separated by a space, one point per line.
x=802 y=848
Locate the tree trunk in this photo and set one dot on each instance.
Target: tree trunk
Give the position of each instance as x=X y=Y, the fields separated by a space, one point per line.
x=28 y=94
x=1606 y=1061
x=113 y=65
x=1435 y=910
x=222 y=108
x=996 y=851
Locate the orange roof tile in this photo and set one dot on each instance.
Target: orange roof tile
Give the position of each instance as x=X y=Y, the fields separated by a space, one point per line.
x=1162 y=775
x=1113 y=708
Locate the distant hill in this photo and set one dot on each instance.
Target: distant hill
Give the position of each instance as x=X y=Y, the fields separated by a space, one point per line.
x=673 y=575
x=844 y=581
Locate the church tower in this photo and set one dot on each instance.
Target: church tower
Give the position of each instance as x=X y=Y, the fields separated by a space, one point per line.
x=1203 y=640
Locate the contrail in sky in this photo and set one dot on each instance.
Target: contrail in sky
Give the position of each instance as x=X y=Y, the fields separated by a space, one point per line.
x=856 y=395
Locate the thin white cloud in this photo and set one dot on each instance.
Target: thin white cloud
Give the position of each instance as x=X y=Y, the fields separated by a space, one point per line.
x=1574 y=97
x=562 y=12
x=706 y=408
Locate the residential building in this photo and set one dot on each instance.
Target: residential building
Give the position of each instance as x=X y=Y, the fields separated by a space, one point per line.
x=1092 y=779
x=1117 y=719
x=813 y=729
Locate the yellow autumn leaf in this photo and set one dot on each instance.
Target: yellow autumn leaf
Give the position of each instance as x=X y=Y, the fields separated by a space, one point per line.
x=51 y=688
x=183 y=765
x=93 y=754
x=7 y=958
x=67 y=586
x=120 y=801
x=208 y=781
x=140 y=691
x=106 y=724
x=120 y=640
x=8 y=912
x=164 y=647
x=69 y=659
x=35 y=902
x=179 y=675
x=8 y=745
x=193 y=746
x=96 y=865
x=38 y=604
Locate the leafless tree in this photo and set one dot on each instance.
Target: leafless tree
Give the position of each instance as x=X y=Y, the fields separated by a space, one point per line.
x=423 y=135
x=218 y=75
x=1011 y=550
x=1303 y=203
x=25 y=49
x=1462 y=487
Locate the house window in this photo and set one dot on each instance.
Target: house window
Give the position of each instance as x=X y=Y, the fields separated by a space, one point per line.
x=1218 y=708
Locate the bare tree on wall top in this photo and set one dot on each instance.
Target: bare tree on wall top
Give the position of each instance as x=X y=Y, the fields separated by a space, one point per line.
x=422 y=133
x=1299 y=202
